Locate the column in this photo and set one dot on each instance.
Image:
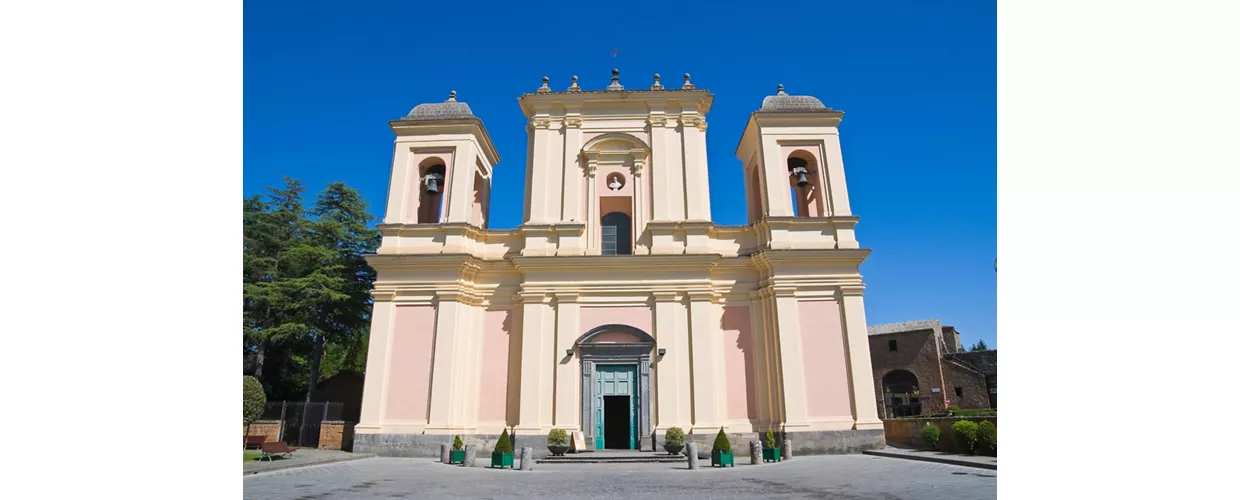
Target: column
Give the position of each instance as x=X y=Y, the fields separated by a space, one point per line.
x=775 y=180
x=837 y=202
x=448 y=349
x=697 y=191
x=791 y=363
x=659 y=167
x=374 y=395
x=672 y=369
x=860 y=371
x=537 y=322
x=540 y=127
x=571 y=209
x=592 y=222
x=708 y=368
x=567 y=373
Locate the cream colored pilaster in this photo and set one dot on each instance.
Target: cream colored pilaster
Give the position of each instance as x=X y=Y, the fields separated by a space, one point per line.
x=567 y=378
x=860 y=371
x=659 y=166
x=708 y=369
x=791 y=364
x=461 y=189
x=758 y=328
x=472 y=366
x=775 y=182
x=676 y=175
x=697 y=192
x=374 y=395
x=639 y=201
x=837 y=202
x=592 y=225
x=554 y=170
x=448 y=349
x=572 y=169
x=672 y=369
x=399 y=198
x=537 y=327
x=539 y=187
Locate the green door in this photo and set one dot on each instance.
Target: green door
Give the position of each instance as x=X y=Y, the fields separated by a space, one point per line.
x=615 y=380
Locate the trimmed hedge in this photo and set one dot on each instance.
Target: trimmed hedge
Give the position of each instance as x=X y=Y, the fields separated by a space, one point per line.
x=557 y=437
x=253 y=400
x=770 y=439
x=456 y=443
x=504 y=445
x=722 y=444
x=675 y=436
x=930 y=434
x=965 y=434
x=987 y=434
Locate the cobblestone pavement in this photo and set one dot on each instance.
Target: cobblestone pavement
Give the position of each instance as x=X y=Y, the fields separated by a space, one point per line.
x=842 y=477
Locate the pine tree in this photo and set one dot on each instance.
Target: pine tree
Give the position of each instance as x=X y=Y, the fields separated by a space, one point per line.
x=979 y=346
x=503 y=445
x=722 y=444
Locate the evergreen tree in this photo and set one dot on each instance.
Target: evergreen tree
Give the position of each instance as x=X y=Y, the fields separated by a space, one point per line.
x=979 y=346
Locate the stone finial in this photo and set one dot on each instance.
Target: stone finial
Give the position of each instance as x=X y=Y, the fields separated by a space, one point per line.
x=780 y=90
x=687 y=85
x=451 y=96
x=574 y=87
x=544 y=89
x=657 y=85
x=615 y=81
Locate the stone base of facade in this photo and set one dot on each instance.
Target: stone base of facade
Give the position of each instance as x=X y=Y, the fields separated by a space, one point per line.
x=803 y=443
x=427 y=445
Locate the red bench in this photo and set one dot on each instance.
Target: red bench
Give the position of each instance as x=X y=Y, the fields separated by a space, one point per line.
x=277 y=448
x=254 y=441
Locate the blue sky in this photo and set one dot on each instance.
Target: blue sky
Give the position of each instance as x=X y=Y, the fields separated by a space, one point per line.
x=915 y=79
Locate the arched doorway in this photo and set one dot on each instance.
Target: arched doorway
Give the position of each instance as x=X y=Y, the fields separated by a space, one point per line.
x=616 y=233
x=615 y=387
x=901 y=397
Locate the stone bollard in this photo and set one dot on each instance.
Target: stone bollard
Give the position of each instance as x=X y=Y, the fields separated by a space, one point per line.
x=755 y=452
x=443 y=454
x=471 y=455
x=527 y=458
x=786 y=452
x=691 y=451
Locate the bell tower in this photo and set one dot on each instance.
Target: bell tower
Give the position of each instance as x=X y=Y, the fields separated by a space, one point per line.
x=794 y=170
x=441 y=166
x=616 y=171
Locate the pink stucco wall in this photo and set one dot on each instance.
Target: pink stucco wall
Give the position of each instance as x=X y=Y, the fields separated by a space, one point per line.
x=410 y=373
x=738 y=360
x=826 y=374
x=496 y=330
x=634 y=316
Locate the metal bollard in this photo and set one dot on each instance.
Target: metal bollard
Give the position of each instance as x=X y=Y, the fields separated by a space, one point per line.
x=443 y=453
x=691 y=450
x=527 y=458
x=755 y=452
x=471 y=455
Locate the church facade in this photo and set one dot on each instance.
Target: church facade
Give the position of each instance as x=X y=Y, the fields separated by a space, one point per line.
x=617 y=309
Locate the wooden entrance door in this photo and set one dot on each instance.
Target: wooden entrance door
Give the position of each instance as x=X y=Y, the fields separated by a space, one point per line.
x=615 y=380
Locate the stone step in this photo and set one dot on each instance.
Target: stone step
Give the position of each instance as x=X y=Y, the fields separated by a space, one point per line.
x=612 y=458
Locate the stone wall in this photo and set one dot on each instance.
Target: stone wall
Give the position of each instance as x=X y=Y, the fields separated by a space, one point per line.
x=268 y=428
x=917 y=352
x=906 y=432
x=972 y=384
x=336 y=435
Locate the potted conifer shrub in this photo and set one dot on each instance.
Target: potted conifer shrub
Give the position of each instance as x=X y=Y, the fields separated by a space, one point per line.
x=457 y=455
x=770 y=452
x=503 y=452
x=674 y=440
x=557 y=442
x=721 y=455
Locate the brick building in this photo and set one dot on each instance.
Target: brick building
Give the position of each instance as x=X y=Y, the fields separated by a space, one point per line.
x=920 y=367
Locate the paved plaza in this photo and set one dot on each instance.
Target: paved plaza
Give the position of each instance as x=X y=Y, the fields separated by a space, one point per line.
x=843 y=477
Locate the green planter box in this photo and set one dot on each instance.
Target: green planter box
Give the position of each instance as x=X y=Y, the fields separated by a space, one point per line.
x=721 y=459
x=456 y=457
x=770 y=454
x=501 y=459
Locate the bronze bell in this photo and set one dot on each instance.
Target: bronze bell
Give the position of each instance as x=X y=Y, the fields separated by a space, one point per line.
x=801 y=180
x=432 y=184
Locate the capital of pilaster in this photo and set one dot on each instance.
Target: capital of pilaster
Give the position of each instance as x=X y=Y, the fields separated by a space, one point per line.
x=781 y=291
x=694 y=121
x=383 y=295
x=665 y=296
x=535 y=297
x=449 y=295
x=540 y=122
x=572 y=121
x=567 y=297
x=851 y=290
x=701 y=295
x=657 y=121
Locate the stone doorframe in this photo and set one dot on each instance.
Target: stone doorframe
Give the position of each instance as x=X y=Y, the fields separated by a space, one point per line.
x=630 y=353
